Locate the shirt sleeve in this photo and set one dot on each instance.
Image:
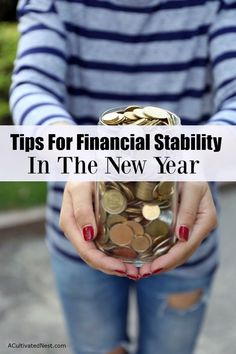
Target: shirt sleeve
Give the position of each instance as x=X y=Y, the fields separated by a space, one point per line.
x=222 y=46
x=38 y=90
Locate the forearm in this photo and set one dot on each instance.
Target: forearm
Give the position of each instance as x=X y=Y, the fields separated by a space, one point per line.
x=38 y=90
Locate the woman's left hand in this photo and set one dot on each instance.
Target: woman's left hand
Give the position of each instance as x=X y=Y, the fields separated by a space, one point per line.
x=196 y=218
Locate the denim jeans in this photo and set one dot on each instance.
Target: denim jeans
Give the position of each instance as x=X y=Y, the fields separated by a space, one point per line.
x=95 y=307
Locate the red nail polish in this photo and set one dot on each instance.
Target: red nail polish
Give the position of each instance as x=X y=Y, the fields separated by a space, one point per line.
x=183 y=233
x=88 y=232
x=145 y=275
x=134 y=277
x=157 y=271
x=120 y=271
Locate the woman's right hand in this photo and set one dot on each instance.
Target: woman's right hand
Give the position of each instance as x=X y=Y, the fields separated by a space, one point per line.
x=77 y=220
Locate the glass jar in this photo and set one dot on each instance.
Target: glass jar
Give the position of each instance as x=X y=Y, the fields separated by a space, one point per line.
x=136 y=220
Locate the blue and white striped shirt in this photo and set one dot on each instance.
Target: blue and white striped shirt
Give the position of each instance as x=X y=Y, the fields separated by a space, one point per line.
x=78 y=58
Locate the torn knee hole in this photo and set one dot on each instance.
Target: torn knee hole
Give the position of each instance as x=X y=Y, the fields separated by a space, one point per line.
x=118 y=350
x=183 y=301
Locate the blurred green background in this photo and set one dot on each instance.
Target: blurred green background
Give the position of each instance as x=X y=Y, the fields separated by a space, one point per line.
x=13 y=195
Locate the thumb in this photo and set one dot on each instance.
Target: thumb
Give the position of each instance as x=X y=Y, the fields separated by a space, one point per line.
x=82 y=201
x=190 y=197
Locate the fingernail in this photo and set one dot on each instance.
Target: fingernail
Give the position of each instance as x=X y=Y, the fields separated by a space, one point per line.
x=145 y=275
x=88 y=232
x=183 y=233
x=120 y=271
x=157 y=271
x=134 y=277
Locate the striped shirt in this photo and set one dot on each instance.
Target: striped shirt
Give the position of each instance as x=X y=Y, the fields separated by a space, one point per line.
x=78 y=58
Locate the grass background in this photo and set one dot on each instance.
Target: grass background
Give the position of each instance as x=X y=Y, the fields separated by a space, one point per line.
x=13 y=195
x=8 y=44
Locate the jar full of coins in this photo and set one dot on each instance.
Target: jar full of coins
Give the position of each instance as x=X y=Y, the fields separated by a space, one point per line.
x=136 y=220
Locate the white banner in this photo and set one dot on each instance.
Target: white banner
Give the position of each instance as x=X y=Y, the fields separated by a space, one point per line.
x=118 y=153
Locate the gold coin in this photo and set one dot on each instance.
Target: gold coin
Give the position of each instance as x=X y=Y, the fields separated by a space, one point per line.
x=128 y=189
x=139 y=113
x=110 y=118
x=131 y=108
x=121 y=234
x=113 y=201
x=115 y=219
x=120 y=119
x=165 y=188
x=136 y=227
x=157 y=228
x=151 y=211
x=140 y=244
x=114 y=185
x=144 y=190
x=140 y=122
x=155 y=112
x=149 y=237
x=130 y=116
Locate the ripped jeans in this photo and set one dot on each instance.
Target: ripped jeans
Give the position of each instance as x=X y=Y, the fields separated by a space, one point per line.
x=95 y=306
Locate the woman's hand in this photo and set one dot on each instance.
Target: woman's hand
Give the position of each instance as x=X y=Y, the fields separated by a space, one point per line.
x=196 y=218
x=77 y=220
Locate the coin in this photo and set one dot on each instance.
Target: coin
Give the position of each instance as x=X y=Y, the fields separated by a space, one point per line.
x=165 y=188
x=113 y=201
x=131 y=108
x=121 y=234
x=136 y=227
x=155 y=112
x=151 y=211
x=128 y=189
x=115 y=219
x=110 y=118
x=144 y=191
x=130 y=116
x=140 y=243
x=139 y=113
x=157 y=228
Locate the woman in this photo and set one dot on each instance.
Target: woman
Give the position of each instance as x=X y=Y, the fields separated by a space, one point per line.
x=78 y=58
